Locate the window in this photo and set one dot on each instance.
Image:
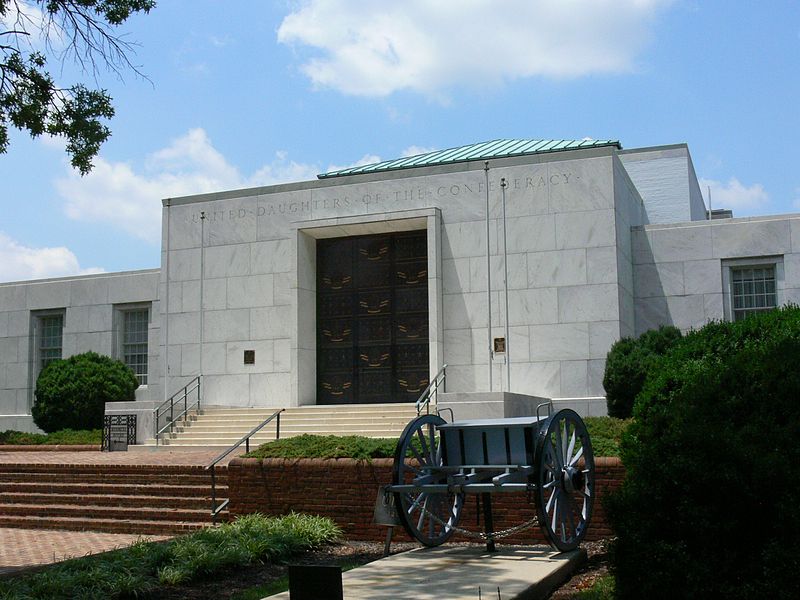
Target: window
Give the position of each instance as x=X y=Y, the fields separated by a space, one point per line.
x=751 y=285
x=133 y=325
x=51 y=329
x=753 y=290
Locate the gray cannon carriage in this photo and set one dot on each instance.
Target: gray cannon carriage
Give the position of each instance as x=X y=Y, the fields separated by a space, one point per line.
x=436 y=464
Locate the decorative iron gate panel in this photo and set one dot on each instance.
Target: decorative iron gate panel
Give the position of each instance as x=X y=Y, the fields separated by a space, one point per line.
x=372 y=318
x=119 y=432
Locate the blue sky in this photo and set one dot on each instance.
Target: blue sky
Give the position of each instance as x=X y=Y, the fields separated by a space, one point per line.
x=247 y=92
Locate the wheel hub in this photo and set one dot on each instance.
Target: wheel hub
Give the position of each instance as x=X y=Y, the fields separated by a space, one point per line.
x=572 y=479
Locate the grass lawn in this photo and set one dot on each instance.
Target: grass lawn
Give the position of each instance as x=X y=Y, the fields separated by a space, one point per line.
x=605 y=433
x=65 y=437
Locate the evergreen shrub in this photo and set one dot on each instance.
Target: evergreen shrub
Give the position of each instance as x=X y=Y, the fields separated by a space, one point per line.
x=71 y=393
x=709 y=506
x=628 y=363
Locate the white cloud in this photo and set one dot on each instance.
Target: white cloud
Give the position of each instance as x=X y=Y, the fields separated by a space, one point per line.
x=114 y=193
x=18 y=262
x=369 y=48
x=415 y=150
x=736 y=196
x=367 y=159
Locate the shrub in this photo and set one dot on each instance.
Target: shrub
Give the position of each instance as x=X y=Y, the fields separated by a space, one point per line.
x=628 y=363
x=709 y=504
x=63 y=436
x=137 y=571
x=327 y=446
x=72 y=393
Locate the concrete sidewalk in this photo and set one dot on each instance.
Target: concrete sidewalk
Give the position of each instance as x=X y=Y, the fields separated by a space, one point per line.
x=456 y=572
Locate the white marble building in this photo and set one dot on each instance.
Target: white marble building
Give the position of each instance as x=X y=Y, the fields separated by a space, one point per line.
x=361 y=285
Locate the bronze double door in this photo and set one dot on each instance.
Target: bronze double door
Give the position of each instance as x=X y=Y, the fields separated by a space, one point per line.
x=372 y=318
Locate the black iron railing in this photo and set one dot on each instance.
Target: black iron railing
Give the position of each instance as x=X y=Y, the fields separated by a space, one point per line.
x=186 y=398
x=430 y=393
x=215 y=510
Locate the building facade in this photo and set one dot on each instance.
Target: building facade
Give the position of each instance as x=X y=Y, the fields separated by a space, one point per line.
x=360 y=286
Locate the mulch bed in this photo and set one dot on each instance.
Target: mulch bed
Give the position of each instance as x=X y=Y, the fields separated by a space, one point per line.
x=596 y=566
x=226 y=585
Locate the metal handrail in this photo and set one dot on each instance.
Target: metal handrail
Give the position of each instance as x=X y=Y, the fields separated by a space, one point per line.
x=183 y=393
x=215 y=510
x=432 y=390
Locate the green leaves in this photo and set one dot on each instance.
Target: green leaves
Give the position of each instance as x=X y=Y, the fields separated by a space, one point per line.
x=30 y=99
x=72 y=393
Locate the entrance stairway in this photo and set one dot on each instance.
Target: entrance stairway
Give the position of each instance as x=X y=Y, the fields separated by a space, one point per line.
x=148 y=500
x=225 y=426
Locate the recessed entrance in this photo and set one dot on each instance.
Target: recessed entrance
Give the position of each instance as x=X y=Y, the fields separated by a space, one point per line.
x=372 y=318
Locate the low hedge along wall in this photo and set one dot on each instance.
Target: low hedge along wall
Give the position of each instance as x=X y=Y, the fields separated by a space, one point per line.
x=345 y=491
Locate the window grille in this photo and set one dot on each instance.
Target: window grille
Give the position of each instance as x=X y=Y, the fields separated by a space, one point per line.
x=753 y=290
x=134 y=342
x=50 y=339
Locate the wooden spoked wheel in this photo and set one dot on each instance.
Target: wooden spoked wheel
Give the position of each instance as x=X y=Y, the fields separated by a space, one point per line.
x=427 y=516
x=565 y=487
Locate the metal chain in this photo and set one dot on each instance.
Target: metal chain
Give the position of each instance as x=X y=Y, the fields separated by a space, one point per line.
x=492 y=535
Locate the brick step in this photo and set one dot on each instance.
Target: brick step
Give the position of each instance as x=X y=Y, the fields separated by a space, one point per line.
x=87 y=511
x=139 y=526
x=158 y=470
x=115 y=478
x=116 y=500
x=156 y=489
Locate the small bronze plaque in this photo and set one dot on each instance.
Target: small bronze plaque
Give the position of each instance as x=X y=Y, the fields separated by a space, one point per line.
x=249 y=357
x=499 y=345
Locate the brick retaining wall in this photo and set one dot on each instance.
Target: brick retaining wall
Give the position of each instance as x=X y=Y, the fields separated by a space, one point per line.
x=345 y=490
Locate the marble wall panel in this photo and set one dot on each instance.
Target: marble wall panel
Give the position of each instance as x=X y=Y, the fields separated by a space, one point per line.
x=587 y=229
x=464 y=239
x=227 y=261
x=588 y=303
x=602 y=267
x=226 y=390
x=137 y=287
x=602 y=334
x=557 y=268
x=750 y=238
x=184 y=328
x=661 y=279
x=184 y=265
x=53 y=294
x=702 y=276
x=537 y=378
x=567 y=341
x=273 y=256
x=89 y=291
x=533 y=306
x=282 y=356
x=101 y=318
x=14 y=296
x=579 y=185
x=271 y=322
x=517 y=272
x=250 y=291
x=226 y=325
x=531 y=234
x=458 y=347
x=673 y=244
x=456 y=275
x=574 y=378
x=264 y=356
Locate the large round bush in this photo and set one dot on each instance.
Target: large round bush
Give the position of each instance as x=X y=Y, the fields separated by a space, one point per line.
x=710 y=504
x=72 y=393
x=628 y=363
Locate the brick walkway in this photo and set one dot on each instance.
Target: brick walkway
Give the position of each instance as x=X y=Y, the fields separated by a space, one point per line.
x=132 y=457
x=20 y=548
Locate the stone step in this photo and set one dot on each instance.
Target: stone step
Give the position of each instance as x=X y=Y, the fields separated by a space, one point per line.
x=150 y=491
x=87 y=511
x=139 y=526
x=117 y=500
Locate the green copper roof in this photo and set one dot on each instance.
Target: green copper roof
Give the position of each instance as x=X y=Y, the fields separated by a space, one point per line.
x=481 y=151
